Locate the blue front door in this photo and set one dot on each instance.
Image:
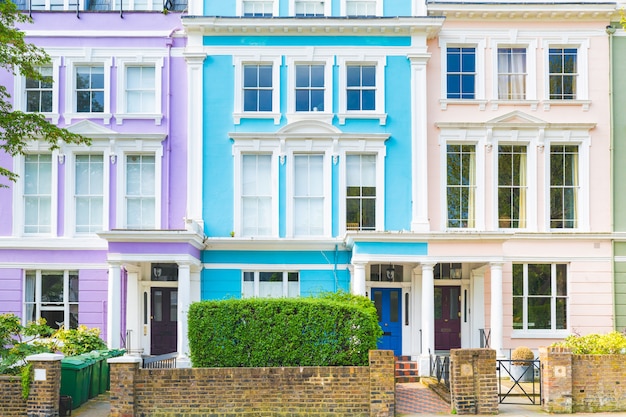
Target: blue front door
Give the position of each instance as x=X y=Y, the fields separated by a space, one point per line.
x=388 y=302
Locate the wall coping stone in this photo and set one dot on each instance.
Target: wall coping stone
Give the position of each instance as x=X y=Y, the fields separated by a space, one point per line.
x=125 y=359
x=45 y=357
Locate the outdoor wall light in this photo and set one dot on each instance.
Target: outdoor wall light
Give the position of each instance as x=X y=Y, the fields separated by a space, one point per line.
x=391 y=273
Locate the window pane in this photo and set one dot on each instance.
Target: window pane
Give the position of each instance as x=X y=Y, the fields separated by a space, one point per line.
x=539 y=313
x=393 y=306
x=518 y=312
x=539 y=282
x=52 y=287
x=561 y=313
x=438 y=303
x=378 y=303
x=460 y=73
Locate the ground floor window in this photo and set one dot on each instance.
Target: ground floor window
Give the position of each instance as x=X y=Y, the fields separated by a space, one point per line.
x=270 y=284
x=539 y=297
x=51 y=295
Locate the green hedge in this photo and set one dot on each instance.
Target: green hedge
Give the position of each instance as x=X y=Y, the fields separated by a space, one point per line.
x=595 y=344
x=331 y=330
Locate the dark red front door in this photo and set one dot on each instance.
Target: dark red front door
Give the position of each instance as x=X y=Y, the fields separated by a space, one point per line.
x=447 y=318
x=164 y=320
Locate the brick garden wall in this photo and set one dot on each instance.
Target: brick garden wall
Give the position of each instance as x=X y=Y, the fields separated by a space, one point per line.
x=473 y=381
x=582 y=383
x=12 y=404
x=314 y=391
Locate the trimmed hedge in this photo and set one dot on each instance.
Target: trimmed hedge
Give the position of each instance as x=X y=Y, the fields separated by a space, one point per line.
x=335 y=329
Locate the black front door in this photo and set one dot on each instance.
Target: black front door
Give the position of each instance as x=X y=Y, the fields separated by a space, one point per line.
x=164 y=320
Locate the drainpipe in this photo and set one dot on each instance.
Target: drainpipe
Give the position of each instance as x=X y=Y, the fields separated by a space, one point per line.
x=168 y=114
x=610 y=30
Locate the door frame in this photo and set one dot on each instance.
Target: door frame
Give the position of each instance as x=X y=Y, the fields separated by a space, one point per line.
x=408 y=344
x=146 y=287
x=467 y=301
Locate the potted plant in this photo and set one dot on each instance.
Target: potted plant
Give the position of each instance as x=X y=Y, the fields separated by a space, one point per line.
x=522 y=368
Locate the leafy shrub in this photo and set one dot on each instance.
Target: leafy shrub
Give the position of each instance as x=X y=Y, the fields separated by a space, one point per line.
x=17 y=342
x=72 y=342
x=334 y=329
x=595 y=344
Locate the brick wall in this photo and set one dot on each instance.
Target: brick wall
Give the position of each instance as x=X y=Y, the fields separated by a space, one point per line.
x=11 y=404
x=473 y=381
x=582 y=383
x=43 y=399
x=316 y=391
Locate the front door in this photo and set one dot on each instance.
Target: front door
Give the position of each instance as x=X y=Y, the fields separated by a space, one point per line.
x=164 y=320
x=389 y=308
x=447 y=318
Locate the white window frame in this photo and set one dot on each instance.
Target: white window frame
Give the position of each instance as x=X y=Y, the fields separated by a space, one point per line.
x=378 y=149
x=18 y=191
x=326 y=115
x=239 y=10
x=70 y=97
x=156 y=61
x=151 y=148
x=582 y=81
x=38 y=294
x=239 y=113
x=531 y=68
x=380 y=62
x=19 y=99
x=497 y=186
x=459 y=40
x=70 y=186
x=343 y=8
x=327 y=9
x=582 y=140
x=251 y=147
x=257 y=282
x=461 y=137
x=541 y=333
x=304 y=148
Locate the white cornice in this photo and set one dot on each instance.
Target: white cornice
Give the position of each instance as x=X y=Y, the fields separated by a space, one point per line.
x=328 y=26
x=154 y=236
x=523 y=10
x=257 y=244
x=53 y=244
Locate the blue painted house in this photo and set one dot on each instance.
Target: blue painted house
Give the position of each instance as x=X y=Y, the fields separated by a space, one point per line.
x=305 y=120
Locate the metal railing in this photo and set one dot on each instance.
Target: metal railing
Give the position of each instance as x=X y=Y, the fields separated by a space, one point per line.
x=440 y=369
x=519 y=381
x=485 y=334
x=166 y=361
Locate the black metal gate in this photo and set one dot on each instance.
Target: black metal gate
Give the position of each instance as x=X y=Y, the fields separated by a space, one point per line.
x=519 y=382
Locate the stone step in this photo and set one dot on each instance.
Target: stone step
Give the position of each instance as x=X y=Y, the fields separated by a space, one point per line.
x=406 y=370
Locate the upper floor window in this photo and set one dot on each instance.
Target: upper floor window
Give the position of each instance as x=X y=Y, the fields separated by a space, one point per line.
x=512 y=186
x=257 y=88
x=461 y=72
x=39 y=92
x=308 y=195
x=564 y=188
x=270 y=284
x=140 y=191
x=140 y=89
x=89 y=193
x=89 y=84
x=309 y=7
x=310 y=87
x=563 y=73
x=512 y=73
x=461 y=186
x=38 y=183
x=539 y=297
x=256 y=195
x=361 y=192
x=361 y=87
x=53 y=296
x=258 y=8
x=361 y=7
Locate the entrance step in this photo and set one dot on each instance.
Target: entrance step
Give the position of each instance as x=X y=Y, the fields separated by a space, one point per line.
x=406 y=370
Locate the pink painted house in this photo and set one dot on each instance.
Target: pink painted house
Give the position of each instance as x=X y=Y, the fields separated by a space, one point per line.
x=518 y=159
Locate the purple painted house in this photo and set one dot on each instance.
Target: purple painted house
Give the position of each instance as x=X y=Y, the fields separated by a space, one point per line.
x=99 y=235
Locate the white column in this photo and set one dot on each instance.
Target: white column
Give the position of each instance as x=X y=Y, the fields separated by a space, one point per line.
x=419 y=153
x=496 y=308
x=358 y=279
x=184 y=300
x=114 y=306
x=133 y=310
x=195 y=136
x=428 y=318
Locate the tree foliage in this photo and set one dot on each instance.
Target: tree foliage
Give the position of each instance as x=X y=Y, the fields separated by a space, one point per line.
x=21 y=58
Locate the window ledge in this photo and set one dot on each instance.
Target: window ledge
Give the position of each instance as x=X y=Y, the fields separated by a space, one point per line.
x=539 y=334
x=382 y=117
x=319 y=116
x=482 y=104
x=53 y=117
x=120 y=117
x=495 y=104
x=256 y=115
x=106 y=117
x=585 y=104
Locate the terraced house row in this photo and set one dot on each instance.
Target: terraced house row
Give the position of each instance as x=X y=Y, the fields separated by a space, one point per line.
x=459 y=164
